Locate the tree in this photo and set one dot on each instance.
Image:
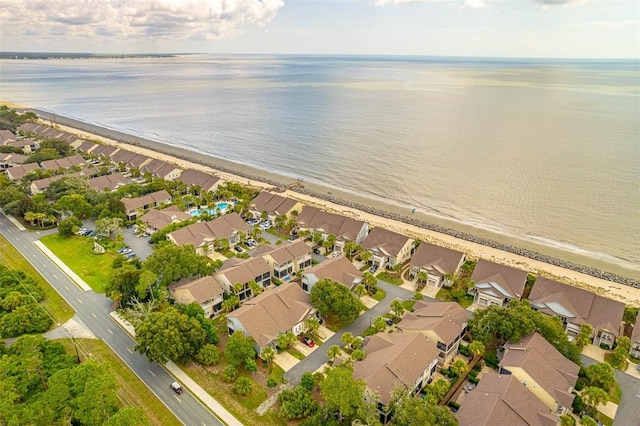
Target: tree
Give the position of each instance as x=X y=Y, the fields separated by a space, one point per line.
x=208 y=355
x=73 y=204
x=370 y=282
x=230 y=303
x=239 y=348
x=366 y=256
x=358 y=355
x=268 y=354
x=347 y=339
x=169 y=335
x=476 y=348
x=171 y=262
x=567 y=420
x=600 y=375
x=342 y=393
x=360 y=290
x=317 y=237
x=333 y=352
x=256 y=288
x=69 y=226
x=422 y=277
x=297 y=403
x=108 y=226
x=436 y=391
x=349 y=249
x=333 y=300
x=459 y=367
x=624 y=343
x=128 y=416
x=123 y=283
x=380 y=324
x=593 y=396
x=588 y=421
x=285 y=340
x=312 y=324
x=397 y=307
x=409 y=411
x=584 y=335
x=307 y=382
x=242 y=386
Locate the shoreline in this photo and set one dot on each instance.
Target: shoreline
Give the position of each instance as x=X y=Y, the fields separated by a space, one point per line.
x=623 y=288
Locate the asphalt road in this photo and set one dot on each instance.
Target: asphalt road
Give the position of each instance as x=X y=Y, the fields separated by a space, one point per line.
x=93 y=310
x=628 y=413
x=318 y=357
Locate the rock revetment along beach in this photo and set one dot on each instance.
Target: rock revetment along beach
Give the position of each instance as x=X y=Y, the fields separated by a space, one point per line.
x=625 y=289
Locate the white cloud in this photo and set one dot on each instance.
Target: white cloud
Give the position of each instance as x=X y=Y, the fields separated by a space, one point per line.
x=381 y=3
x=550 y=3
x=124 y=19
x=473 y=4
x=622 y=23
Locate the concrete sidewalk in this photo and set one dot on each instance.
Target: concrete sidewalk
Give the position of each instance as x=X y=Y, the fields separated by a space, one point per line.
x=213 y=405
x=60 y=264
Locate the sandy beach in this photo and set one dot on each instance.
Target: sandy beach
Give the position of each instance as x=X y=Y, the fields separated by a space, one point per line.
x=189 y=159
x=623 y=293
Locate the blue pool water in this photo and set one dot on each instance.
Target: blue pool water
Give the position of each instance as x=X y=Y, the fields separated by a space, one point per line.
x=198 y=212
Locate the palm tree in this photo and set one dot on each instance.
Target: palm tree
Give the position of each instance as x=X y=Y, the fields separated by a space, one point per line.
x=280 y=221
x=347 y=338
x=256 y=288
x=30 y=217
x=370 y=282
x=264 y=215
x=366 y=256
x=397 y=307
x=268 y=354
x=360 y=290
x=584 y=335
x=312 y=324
x=333 y=352
x=349 y=249
x=459 y=367
x=594 y=396
x=476 y=348
x=380 y=324
x=423 y=277
x=230 y=304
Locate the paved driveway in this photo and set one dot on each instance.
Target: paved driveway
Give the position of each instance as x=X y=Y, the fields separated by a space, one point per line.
x=629 y=408
x=140 y=245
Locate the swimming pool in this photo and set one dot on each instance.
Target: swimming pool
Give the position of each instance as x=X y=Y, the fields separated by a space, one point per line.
x=223 y=206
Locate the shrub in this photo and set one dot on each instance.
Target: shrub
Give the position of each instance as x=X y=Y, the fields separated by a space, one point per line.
x=242 y=386
x=271 y=382
x=474 y=380
x=604 y=346
x=491 y=359
x=464 y=350
x=453 y=404
x=230 y=373
x=208 y=355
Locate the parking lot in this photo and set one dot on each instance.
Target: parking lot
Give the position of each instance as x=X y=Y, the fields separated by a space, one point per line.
x=140 y=246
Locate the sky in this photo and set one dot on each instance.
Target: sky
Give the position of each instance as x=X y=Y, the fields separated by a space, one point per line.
x=497 y=28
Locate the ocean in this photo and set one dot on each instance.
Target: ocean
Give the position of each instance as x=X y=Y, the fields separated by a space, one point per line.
x=544 y=151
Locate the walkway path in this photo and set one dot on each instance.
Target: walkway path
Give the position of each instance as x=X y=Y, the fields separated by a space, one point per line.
x=319 y=357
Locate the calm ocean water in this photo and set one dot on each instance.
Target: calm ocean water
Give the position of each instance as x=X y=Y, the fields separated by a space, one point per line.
x=543 y=150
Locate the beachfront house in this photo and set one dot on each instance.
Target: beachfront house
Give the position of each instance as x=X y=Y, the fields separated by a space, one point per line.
x=503 y=400
x=154 y=220
x=63 y=163
x=575 y=306
x=104 y=152
x=338 y=269
x=344 y=228
x=133 y=207
x=276 y=311
x=7 y=136
x=388 y=248
x=274 y=205
x=47 y=132
x=204 y=291
x=496 y=284
x=235 y=275
x=395 y=360
x=444 y=323
x=440 y=264
x=28 y=146
x=204 y=234
x=200 y=180
x=18 y=172
x=108 y=182
x=634 y=351
x=11 y=160
x=161 y=169
x=543 y=370
x=286 y=259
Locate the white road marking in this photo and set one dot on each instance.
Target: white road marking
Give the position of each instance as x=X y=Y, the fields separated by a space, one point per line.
x=177 y=398
x=79 y=300
x=130 y=351
x=66 y=287
x=94 y=315
x=109 y=330
x=44 y=266
x=55 y=276
x=152 y=373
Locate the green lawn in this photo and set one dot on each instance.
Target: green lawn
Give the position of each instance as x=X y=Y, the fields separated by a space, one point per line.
x=444 y=295
x=296 y=353
x=53 y=302
x=380 y=295
x=131 y=390
x=77 y=254
x=243 y=408
x=384 y=276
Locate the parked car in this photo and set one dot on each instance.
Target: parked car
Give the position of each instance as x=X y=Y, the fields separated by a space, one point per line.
x=122 y=249
x=238 y=249
x=389 y=321
x=293 y=237
x=316 y=251
x=252 y=243
x=336 y=253
x=307 y=341
x=175 y=386
x=373 y=269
